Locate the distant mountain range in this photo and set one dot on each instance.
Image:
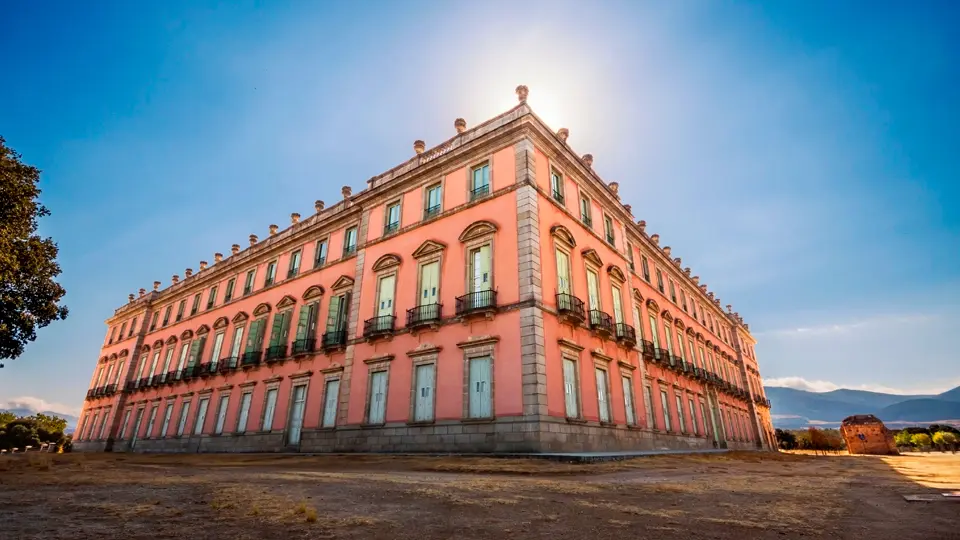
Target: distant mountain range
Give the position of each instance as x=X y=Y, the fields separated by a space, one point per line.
x=793 y=409
x=71 y=420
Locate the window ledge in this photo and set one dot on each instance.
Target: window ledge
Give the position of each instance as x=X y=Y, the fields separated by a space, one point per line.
x=485 y=420
x=421 y=423
x=608 y=424
x=634 y=427
x=371 y=426
x=576 y=420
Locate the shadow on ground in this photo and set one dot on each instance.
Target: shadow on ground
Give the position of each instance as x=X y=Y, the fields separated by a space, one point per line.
x=736 y=496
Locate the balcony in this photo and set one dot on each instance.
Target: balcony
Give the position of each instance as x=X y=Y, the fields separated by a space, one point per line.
x=304 y=346
x=250 y=358
x=425 y=315
x=431 y=212
x=333 y=340
x=600 y=322
x=208 y=368
x=292 y=273
x=379 y=326
x=391 y=228
x=689 y=369
x=319 y=261
x=172 y=377
x=587 y=220
x=477 y=302
x=157 y=380
x=661 y=356
x=110 y=390
x=129 y=387
x=626 y=334
x=275 y=353
x=676 y=362
x=610 y=239
x=479 y=191
x=557 y=196
x=144 y=383
x=228 y=364
x=91 y=393
x=648 y=349
x=349 y=249
x=571 y=308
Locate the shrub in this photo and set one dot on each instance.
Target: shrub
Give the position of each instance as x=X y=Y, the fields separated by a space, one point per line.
x=944 y=437
x=902 y=438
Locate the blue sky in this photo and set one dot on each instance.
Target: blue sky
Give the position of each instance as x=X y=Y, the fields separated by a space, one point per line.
x=800 y=157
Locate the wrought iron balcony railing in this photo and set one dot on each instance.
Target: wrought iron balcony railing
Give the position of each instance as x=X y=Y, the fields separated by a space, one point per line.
x=648 y=349
x=479 y=191
x=251 y=358
x=571 y=307
x=333 y=339
x=276 y=352
x=228 y=364
x=391 y=228
x=431 y=212
x=379 y=326
x=424 y=315
x=303 y=346
x=600 y=322
x=558 y=196
x=476 y=301
x=626 y=334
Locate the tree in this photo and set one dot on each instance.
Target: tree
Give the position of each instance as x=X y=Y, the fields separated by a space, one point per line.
x=920 y=440
x=944 y=437
x=943 y=427
x=6 y=417
x=29 y=295
x=902 y=438
x=33 y=431
x=786 y=440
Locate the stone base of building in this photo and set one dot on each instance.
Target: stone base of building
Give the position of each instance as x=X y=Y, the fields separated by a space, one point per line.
x=500 y=436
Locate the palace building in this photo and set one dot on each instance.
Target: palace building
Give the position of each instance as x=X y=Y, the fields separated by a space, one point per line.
x=491 y=294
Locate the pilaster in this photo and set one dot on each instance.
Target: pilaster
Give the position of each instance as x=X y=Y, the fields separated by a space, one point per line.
x=353 y=322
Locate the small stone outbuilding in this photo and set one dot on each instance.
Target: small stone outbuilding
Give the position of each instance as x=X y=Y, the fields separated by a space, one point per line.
x=866 y=434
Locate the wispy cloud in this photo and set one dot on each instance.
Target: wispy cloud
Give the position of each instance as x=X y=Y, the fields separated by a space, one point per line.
x=848 y=327
x=36 y=405
x=799 y=383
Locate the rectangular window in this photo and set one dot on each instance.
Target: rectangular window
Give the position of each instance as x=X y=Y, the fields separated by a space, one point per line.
x=271 y=274
x=693 y=309
x=92 y=427
x=617 y=306
x=350 y=241
x=593 y=290
x=182 y=423
x=392 y=222
x=133 y=327
x=166 y=315
x=556 y=186
x=320 y=255
x=429 y=287
x=648 y=403
x=119 y=374
x=693 y=417
x=196 y=351
x=665 y=403
x=434 y=202
x=630 y=256
x=331 y=396
x=201 y=416
x=180 y=309
x=298 y=400
x=280 y=334
x=585 y=213
x=423 y=404
x=337 y=313
x=166 y=420
x=103 y=422
x=153 y=321
x=217 y=347
x=628 y=401
x=212 y=297
x=683 y=300
x=660 y=281
x=481 y=399
x=706 y=421
x=377 y=400
x=196 y=305
x=480 y=181
x=603 y=402
x=221 y=414
x=480 y=269
x=570 y=392
x=255 y=336
x=608 y=230
x=294 y=264
x=229 y=294
x=151 y=421
x=385 y=290
x=269 y=408
x=113 y=333
x=245 y=400
x=673 y=292
x=248 y=282
x=645 y=267
x=306 y=328
x=563 y=272
x=653 y=332
x=683 y=424
x=123 y=329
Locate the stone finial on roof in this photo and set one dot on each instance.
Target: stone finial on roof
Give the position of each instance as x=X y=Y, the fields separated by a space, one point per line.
x=564 y=134
x=156 y=285
x=628 y=208
x=587 y=160
x=203 y=265
x=655 y=238
x=419 y=146
x=188 y=272
x=615 y=188
x=695 y=279
x=729 y=308
x=294 y=218
x=175 y=279
x=522 y=93
x=642 y=225
x=253 y=239
x=234 y=249
x=686 y=270
x=346 y=191
x=703 y=287
x=217 y=257
x=710 y=295
x=143 y=292
x=273 y=229
x=677 y=261
x=666 y=251
x=130 y=297
x=318 y=206
x=460 y=125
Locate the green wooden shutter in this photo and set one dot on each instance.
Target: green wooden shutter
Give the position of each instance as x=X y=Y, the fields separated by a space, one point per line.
x=285 y=327
x=333 y=312
x=344 y=315
x=303 y=322
x=252 y=335
x=277 y=330
x=312 y=319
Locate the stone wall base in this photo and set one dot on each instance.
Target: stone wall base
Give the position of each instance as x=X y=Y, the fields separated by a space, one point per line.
x=503 y=435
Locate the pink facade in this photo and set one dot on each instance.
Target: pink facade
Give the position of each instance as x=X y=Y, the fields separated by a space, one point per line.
x=491 y=294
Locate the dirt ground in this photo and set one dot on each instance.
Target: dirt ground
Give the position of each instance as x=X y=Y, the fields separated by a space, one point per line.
x=737 y=496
